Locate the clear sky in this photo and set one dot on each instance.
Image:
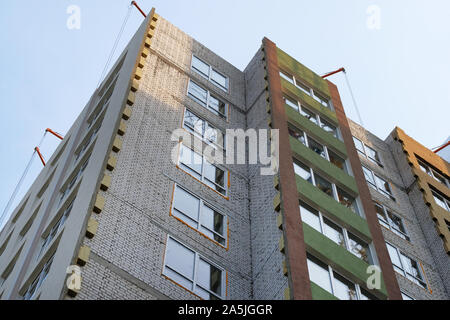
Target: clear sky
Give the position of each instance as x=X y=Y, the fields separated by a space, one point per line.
x=399 y=71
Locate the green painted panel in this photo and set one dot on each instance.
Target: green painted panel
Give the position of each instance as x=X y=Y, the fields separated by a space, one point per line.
x=308 y=101
x=303 y=123
x=318 y=293
x=346 y=217
x=336 y=174
x=338 y=257
x=288 y=63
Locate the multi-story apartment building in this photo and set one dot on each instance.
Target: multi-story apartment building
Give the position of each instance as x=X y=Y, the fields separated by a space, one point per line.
x=147 y=215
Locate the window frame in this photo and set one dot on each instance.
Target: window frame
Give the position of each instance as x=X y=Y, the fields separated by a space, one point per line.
x=437 y=194
x=209 y=76
x=206 y=126
x=345 y=232
x=334 y=187
x=432 y=172
x=201 y=176
x=39 y=279
x=206 y=104
x=201 y=204
x=402 y=270
x=386 y=212
x=366 y=154
x=375 y=185
x=306 y=143
x=313 y=93
x=197 y=258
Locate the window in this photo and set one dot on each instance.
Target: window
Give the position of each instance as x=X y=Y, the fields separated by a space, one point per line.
x=193 y=272
x=74 y=180
x=306 y=89
x=391 y=221
x=57 y=226
x=200 y=215
x=210 y=73
x=207 y=100
x=325 y=186
x=440 y=199
x=311 y=116
x=37 y=282
x=327 y=278
x=378 y=183
x=367 y=152
x=406 y=297
x=318 y=148
x=428 y=169
x=198 y=166
x=406 y=266
x=341 y=236
x=86 y=143
x=203 y=129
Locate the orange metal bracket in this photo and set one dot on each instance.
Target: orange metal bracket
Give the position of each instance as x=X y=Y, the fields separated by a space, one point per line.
x=442 y=147
x=54 y=133
x=137 y=6
x=40 y=155
x=333 y=72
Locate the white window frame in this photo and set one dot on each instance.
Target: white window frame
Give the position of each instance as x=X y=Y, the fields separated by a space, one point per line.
x=425 y=167
x=206 y=126
x=205 y=104
x=443 y=199
x=333 y=187
x=401 y=269
x=201 y=176
x=74 y=180
x=306 y=138
x=388 y=225
x=345 y=233
x=202 y=203
x=366 y=154
x=40 y=278
x=332 y=280
x=197 y=258
x=319 y=121
x=315 y=94
x=209 y=75
x=376 y=187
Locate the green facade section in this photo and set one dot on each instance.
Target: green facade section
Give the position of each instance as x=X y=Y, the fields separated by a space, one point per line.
x=309 y=102
x=317 y=132
x=340 y=258
x=343 y=215
x=318 y=293
x=312 y=79
x=314 y=160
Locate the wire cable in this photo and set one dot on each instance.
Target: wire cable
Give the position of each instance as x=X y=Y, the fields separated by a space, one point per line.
x=116 y=43
x=354 y=100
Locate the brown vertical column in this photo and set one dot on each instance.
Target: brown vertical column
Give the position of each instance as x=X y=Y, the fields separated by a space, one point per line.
x=390 y=279
x=295 y=249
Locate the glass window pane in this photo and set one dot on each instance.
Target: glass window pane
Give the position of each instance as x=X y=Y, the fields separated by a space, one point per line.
x=318 y=273
x=180 y=259
x=439 y=200
x=302 y=170
x=329 y=127
x=193 y=123
x=411 y=267
x=321 y=99
x=216 y=176
x=337 y=160
x=347 y=200
x=291 y=103
x=209 y=277
x=191 y=160
x=333 y=232
x=212 y=220
x=310 y=216
x=373 y=155
x=297 y=134
x=217 y=106
x=186 y=204
x=381 y=215
x=424 y=167
x=383 y=185
x=359 y=248
x=343 y=289
x=214 y=135
x=219 y=80
x=396 y=222
x=308 y=114
x=316 y=147
x=406 y=297
x=287 y=77
x=393 y=254
x=201 y=67
x=324 y=185
x=369 y=177
x=303 y=87
x=358 y=145
x=198 y=93
x=438 y=177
